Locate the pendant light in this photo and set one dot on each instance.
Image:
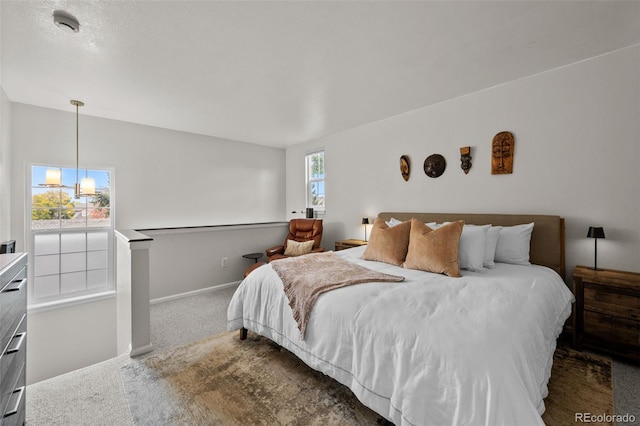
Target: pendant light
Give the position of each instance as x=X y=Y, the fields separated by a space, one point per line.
x=86 y=187
x=66 y=21
x=53 y=179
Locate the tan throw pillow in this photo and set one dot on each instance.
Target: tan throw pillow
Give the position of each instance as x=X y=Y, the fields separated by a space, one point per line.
x=295 y=248
x=388 y=245
x=434 y=250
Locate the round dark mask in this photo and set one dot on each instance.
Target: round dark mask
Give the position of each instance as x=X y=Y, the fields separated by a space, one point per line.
x=434 y=165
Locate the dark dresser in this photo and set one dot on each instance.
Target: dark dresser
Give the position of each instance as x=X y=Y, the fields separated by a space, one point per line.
x=13 y=337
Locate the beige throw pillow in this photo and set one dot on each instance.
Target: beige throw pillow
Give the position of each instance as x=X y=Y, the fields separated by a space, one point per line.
x=295 y=248
x=388 y=245
x=434 y=250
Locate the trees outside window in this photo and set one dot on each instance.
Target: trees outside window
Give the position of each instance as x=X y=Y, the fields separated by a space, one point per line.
x=315 y=177
x=71 y=239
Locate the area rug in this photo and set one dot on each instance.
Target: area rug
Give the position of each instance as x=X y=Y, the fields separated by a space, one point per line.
x=581 y=385
x=224 y=381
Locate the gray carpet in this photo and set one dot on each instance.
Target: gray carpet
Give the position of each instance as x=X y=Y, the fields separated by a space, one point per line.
x=95 y=395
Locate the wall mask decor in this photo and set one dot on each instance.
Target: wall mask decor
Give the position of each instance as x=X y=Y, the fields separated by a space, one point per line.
x=502 y=153
x=405 y=167
x=434 y=165
x=465 y=159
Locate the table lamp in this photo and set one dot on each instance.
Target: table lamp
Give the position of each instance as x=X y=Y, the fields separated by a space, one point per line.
x=365 y=222
x=595 y=232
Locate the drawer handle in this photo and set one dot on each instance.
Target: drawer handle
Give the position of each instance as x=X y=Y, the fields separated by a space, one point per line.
x=16 y=407
x=16 y=348
x=15 y=285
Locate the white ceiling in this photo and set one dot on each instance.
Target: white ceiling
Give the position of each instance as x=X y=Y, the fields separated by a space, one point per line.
x=281 y=73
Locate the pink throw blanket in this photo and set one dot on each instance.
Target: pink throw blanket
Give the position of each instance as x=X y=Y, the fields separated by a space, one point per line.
x=307 y=277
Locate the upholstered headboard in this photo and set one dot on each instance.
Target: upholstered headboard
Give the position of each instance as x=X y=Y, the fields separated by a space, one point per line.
x=547 y=238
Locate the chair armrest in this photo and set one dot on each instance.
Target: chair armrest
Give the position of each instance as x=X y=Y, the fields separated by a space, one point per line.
x=317 y=250
x=275 y=250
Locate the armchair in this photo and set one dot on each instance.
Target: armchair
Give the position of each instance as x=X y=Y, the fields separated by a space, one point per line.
x=300 y=230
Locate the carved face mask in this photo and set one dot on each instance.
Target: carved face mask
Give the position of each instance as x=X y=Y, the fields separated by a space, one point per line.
x=405 y=167
x=434 y=165
x=465 y=159
x=502 y=153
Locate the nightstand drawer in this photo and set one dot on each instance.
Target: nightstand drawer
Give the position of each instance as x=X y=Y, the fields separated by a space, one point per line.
x=611 y=301
x=606 y=328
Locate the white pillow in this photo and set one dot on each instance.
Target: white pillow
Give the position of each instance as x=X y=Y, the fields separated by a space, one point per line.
x=513 y=244
x=393 y=222
x=490 y=247
x=472 y=247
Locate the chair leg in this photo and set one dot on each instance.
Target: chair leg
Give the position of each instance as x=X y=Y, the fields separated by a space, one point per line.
x=243 y=333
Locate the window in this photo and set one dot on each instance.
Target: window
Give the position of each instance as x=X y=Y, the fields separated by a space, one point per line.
x=70 y=239
x=315 y=179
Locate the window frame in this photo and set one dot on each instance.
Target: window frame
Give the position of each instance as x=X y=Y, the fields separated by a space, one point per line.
x=309 y=180
x=31 y=235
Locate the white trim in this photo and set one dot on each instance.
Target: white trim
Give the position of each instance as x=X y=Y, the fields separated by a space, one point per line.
x=193 y=292
x=314 y=151
x=70 y=301
x=141 y=350
x=209 y=228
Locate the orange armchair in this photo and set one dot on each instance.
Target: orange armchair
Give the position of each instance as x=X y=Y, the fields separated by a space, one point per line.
x=299 y=230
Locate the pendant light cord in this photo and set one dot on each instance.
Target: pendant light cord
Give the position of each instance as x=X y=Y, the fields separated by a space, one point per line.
x=77 y=144
x=77 y=185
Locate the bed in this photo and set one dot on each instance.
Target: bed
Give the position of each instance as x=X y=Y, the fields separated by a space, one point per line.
x=432 y=349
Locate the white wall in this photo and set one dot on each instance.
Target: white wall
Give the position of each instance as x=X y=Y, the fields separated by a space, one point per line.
x=184 y=261
x=577 y=151
x=162 y=178
x=5 y=156
x=5 y=167
x=65 y=339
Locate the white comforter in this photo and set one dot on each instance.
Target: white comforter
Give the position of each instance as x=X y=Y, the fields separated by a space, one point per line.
x=431 y=350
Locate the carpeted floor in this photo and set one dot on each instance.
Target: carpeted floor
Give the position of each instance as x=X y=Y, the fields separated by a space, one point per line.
x=222 y=380
x=95 y=395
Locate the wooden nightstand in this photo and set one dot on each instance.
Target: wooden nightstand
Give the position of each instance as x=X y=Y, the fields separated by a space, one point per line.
x=607 y=311
x=345 y=244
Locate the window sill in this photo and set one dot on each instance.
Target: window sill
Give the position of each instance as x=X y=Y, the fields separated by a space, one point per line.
x=65 y=303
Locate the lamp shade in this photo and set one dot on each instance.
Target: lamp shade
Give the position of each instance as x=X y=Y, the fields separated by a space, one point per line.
x=53 y=178
x=365 y=220
x=88 y=187
x=595 y=232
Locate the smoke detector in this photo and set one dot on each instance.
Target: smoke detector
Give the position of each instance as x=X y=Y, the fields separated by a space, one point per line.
x=66 y=21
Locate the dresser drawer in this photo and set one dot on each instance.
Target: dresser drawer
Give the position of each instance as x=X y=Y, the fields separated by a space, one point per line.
x=611 y=301
x=607 y=328
x=13 y=304
x=12 y=362
x=14 y=410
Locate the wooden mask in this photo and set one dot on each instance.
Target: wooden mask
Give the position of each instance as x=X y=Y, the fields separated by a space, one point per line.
x=502 y=153
x=405 y=167
x=465 y=159
x=435 y=165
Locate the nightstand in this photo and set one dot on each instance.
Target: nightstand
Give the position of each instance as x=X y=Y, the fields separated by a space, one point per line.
x=607 y=311
x=346 y=244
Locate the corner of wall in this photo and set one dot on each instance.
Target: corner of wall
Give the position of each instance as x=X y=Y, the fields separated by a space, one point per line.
x=5 y=166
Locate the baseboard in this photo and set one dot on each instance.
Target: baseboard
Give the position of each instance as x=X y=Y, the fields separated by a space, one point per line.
x=141 y=350
x=193 y=292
